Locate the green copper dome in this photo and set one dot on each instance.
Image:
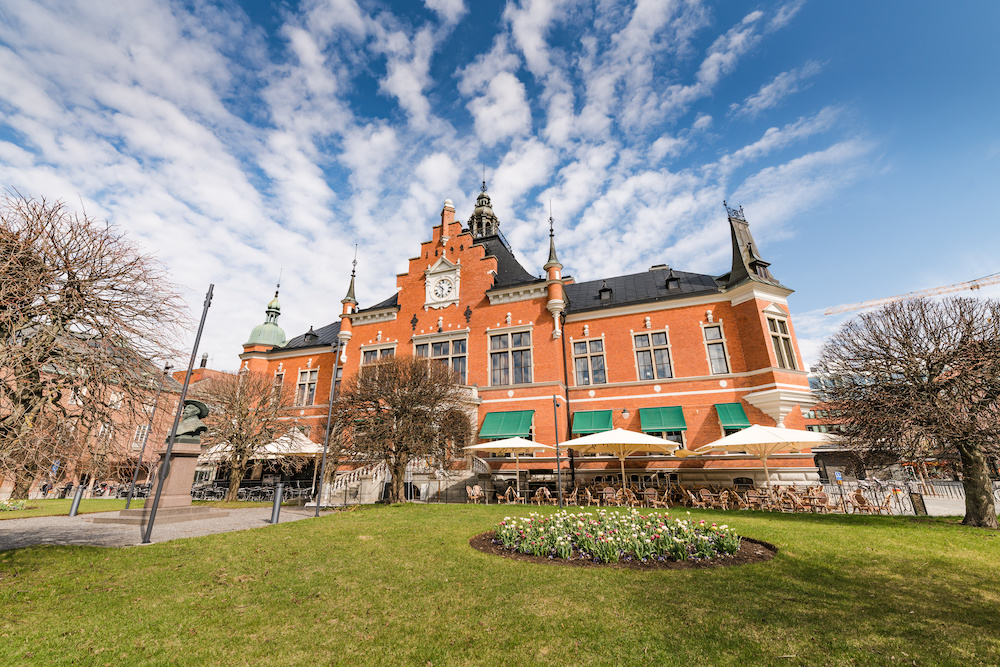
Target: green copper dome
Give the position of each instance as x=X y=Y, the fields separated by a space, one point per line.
x=269 y=333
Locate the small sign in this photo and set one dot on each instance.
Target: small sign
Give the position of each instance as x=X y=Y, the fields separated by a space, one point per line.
x=840 y=478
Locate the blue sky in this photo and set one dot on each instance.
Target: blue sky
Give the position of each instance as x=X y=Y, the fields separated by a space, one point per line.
x=236 y=139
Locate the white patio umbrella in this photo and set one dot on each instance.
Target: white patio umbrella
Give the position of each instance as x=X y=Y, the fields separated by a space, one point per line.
x=763 y=441
x=621 y=443
x=515 y=446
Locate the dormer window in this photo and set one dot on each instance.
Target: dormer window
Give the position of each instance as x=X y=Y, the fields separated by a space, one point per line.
x=605 y=292
x=673 y=282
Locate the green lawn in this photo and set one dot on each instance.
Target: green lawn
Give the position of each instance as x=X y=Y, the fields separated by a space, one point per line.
x=60 y=506
x=400 y=585
x=57 y=506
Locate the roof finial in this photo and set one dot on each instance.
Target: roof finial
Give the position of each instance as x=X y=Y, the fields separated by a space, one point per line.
x=278 y=286
x=484 y=178
x=553 y=258
x=350 y=298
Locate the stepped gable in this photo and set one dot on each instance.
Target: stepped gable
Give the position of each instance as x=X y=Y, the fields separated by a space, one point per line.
x=648 y=286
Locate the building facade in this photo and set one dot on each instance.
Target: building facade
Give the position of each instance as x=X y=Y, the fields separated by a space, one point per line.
x=684 y=355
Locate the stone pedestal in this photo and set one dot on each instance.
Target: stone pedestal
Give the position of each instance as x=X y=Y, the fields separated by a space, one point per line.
x=183 y=461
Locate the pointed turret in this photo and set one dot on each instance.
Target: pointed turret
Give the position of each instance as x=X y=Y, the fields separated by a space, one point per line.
x=268 y=333
x=350 y=305
x=747 y=264
x=553 y=268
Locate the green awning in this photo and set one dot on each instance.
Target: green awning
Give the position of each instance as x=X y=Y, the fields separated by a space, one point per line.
x=662 y=419
x=515 y=424
x=592 y=421
x=731 y=415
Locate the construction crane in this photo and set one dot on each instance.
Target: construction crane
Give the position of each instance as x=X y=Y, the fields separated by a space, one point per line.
x=991 y=279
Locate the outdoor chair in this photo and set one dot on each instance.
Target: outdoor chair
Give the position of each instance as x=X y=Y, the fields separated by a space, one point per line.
x=790 y=502
x=723 y=503
x=695 y=501
x=708 y=498
x=755 y=500
x=608 y=496
x=511 y=496
x=542 y=495
x=650 y=500
x=474 y=493
x=625 y=497
x=886 y=506
x=589 y=498
x=571 y=498
x=827 y=503
x=860 y=504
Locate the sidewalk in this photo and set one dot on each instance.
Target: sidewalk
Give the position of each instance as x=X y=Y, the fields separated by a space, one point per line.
x=81 y=531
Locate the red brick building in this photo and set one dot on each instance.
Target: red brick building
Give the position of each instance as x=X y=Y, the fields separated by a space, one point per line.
x=686 y=355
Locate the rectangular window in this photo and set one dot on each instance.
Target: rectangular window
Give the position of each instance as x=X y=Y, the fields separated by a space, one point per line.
x=368 y=356
x=676 y=436
x=652 y=356
x=141 y=433
x=510 y=358
x=453 y=353
x=716 y=346
x=279 y=379
x=305 y=393
x=782 y=342
x=588 y=359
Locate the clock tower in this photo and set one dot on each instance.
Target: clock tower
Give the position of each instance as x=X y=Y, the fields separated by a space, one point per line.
x=441 y=284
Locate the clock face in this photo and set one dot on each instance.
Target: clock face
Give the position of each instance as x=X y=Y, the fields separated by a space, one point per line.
x=442 y=288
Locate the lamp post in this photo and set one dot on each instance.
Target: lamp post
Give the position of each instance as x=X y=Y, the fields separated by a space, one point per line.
x=555 y=421
x=149 y=429
x=329 y=418
x=165 y=468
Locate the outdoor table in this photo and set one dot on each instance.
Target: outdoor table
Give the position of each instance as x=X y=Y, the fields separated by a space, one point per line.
x=812 y=502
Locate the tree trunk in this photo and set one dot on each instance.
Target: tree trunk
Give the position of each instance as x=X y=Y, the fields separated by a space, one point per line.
x=397 y=489
x=22 y=484
x=236 y=474
x=980 y=509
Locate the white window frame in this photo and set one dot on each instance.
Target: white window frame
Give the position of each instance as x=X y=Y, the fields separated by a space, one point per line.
x=449 y=358
x=588 y=355
x=381 y=351
x=301 y=385
x=781 y=342
x=722 y=340
x=140 y=437
x=510 y=354
x=651 y=349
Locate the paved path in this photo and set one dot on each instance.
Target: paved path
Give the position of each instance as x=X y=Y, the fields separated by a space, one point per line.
x=79 y=530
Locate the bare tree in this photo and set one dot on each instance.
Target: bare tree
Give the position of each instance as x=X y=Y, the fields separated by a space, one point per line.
x=399 y=409
x=922 y=378
x=81 y=313
x=248 y=412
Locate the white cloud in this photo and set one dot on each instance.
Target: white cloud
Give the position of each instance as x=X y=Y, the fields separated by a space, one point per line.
x=503 y=111
x=184 y=123
x=772 y=93
x=450 y=10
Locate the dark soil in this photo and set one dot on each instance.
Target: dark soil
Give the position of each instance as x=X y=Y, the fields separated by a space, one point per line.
x=751 y=551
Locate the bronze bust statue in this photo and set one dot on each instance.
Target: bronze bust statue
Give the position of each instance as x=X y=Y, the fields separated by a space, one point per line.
x=191 y=427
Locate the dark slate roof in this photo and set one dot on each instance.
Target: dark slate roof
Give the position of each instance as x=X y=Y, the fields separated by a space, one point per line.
x=509 y=270
x=391 y=302
x=642 y=287
x=327 y=336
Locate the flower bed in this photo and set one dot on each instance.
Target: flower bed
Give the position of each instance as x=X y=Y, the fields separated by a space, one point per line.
x=607 y=537
x=12 y=505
